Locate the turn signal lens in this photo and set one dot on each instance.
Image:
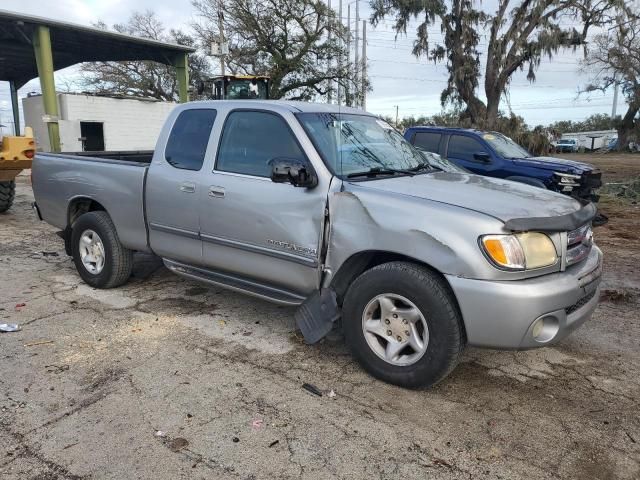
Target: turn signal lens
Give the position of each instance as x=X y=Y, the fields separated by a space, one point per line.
x=520 y=251
x=504 y=250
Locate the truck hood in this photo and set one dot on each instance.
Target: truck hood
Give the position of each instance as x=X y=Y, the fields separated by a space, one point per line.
x=498 y=198
x=556 y=164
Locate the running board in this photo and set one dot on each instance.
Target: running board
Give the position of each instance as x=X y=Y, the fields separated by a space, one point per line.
x=238 y=284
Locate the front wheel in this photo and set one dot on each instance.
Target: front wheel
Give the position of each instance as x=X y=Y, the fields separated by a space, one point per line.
x=403 y=325
x=7 y=195
x=101 y=260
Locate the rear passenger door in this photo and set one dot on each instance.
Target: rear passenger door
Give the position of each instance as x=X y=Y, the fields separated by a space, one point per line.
x=174 y=190
x=468 y=152
x=251 y=226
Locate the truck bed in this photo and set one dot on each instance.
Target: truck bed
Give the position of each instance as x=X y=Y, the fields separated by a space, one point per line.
x=113 y=180
x=137 y=156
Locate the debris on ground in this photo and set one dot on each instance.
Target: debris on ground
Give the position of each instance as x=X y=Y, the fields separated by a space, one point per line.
x=49 y=254
x=160 y=433
x=274 y=443
x=331 y=394
x=39 y=342
x=9 y=327
x=178 y=444
x=20 y=306
x=56 y=368
x=312 y=389
x=257 y=423
x=615 y=295
x=235 y=439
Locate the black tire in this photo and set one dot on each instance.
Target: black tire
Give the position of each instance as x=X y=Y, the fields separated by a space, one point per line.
x=7 y=195
x=429 y=292
x=118 y=260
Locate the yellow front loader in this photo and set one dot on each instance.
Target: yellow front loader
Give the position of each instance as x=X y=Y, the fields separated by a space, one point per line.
x=16 y=154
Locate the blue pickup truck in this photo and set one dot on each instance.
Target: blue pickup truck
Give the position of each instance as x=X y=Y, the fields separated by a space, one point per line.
x=495 y=155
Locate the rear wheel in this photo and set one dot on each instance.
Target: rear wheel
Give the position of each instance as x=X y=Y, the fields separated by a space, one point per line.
x=402 y=324
x=7 y=195
x=101 y=260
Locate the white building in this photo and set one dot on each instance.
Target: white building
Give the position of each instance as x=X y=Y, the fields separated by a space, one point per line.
x=95 y=123
x=592 y=140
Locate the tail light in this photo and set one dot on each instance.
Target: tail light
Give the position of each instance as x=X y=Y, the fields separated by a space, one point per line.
x=29 y=154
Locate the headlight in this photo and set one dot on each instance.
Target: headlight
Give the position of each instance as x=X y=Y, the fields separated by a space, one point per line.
x=567 y=181
x=520 y=251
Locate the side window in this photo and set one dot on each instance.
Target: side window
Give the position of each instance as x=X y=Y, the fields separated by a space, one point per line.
x=428 y=141
x=462 y=148
x=251 y=139
x=187 y=143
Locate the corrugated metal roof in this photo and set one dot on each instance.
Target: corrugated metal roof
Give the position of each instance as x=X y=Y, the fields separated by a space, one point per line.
x=71 y=44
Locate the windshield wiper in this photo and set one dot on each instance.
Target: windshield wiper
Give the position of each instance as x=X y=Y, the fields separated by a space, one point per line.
x=375 y=171
x=423 y=166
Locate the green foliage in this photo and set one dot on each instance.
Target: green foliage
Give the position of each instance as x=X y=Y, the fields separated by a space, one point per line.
x=598 y=121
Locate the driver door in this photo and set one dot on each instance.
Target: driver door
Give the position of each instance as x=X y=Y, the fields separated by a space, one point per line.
x=462 y=150
x=251 y=226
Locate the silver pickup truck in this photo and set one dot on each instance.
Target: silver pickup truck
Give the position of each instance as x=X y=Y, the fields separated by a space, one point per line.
x=330 y=209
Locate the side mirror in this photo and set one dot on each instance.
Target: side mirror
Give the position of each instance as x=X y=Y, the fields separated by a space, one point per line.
x=482 y=157
x=298 y=173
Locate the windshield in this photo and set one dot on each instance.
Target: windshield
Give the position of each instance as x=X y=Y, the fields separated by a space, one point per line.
x=353 y=144
x=505 y=147
x=241 y=89
x=567 y=142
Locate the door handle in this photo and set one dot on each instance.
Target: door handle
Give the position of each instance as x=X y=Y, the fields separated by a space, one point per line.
x=216 y=192
x=188 y=187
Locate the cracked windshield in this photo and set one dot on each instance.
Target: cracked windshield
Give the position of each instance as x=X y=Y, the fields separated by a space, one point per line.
x=362 y=146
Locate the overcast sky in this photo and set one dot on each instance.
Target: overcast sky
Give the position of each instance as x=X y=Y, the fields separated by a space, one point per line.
x=398 y=78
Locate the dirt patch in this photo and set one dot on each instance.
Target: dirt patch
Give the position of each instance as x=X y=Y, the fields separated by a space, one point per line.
x=616 y=296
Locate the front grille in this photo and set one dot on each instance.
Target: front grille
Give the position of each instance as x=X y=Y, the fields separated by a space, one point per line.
x=593 y=179
x=579 y=244
x=580 y=303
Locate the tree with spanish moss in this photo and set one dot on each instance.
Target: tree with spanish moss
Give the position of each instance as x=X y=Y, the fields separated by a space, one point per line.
x=519 y=35
x=614 y=58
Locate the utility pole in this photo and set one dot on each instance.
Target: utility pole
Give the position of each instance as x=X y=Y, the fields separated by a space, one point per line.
x=615 y=99
x=364 y=65
x=356 y=61
x=396 y=115
x=340 y=61
x=221 y=48
x=347 y=86
x=329 y=40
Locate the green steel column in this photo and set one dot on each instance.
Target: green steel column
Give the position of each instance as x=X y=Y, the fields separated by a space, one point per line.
x=44 y=60
x=14 y=106
x=182 y=72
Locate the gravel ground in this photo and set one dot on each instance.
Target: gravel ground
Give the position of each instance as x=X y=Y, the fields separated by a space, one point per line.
x=165 y=378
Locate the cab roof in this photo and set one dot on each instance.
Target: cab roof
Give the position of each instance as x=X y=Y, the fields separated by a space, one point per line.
x=287 y=105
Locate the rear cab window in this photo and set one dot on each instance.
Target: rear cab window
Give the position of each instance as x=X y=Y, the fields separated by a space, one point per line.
x=187 y=143
x=429 y=141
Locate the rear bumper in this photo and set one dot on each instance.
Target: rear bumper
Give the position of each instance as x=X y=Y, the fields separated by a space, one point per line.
x=503 y=314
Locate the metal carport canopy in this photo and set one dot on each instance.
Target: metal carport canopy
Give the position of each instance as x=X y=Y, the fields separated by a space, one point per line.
x=33 y=46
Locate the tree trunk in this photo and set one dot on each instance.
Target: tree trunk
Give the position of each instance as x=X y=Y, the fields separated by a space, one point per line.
x=493 y=104
x=626 y=126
